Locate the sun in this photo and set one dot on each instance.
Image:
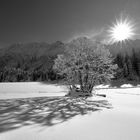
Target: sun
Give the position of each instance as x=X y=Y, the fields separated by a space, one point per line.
x=122 y=30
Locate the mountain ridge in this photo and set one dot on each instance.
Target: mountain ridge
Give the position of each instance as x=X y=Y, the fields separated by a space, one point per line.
x=44 y=48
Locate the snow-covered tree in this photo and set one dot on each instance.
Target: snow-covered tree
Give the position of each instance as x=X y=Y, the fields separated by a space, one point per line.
x=85 y=63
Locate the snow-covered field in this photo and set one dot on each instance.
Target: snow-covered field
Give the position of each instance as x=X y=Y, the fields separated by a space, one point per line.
x=120 y=122
x=30 y=89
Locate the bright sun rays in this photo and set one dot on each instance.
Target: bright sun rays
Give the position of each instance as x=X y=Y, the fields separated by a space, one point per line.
x=122 y=30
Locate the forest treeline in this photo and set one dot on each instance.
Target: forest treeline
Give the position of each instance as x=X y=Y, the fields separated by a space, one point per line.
x=34 y=62
x=33 y=69
x=128 y=66
x=29 y=62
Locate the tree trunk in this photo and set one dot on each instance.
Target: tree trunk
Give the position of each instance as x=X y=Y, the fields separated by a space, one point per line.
x=86 y=81
x=80 y=81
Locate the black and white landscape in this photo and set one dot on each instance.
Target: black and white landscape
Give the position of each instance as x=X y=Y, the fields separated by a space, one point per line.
x=69 y=70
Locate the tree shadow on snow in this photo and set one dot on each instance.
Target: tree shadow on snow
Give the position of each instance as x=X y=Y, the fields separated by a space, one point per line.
x=45 y=111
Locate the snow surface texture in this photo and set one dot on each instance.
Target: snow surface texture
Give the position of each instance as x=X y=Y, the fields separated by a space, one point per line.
x=121 y=122
x=30 y=89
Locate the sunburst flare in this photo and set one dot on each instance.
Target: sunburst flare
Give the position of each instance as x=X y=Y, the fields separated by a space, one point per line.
x=122 y=30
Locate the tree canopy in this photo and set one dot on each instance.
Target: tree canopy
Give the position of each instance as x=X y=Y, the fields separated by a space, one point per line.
x=85 y=63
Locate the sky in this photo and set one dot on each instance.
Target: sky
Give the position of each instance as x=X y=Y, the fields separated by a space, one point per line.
x=51 y=20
